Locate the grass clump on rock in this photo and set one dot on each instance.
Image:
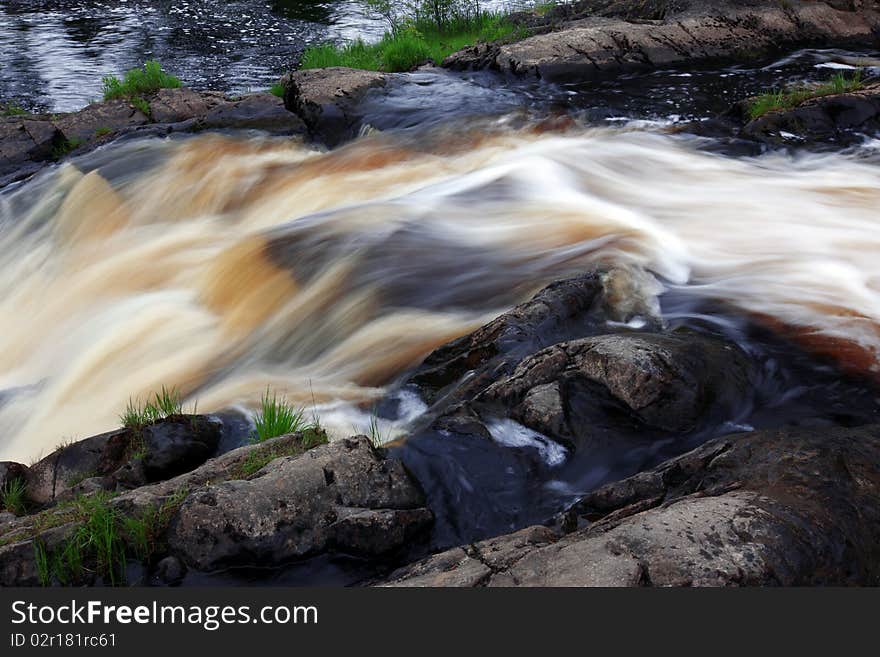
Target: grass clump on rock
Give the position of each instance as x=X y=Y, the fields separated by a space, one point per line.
x=262 y=455
x=102 y=540
x=791 y=98
x=12 y=496
x=139 y=82
x=420 y=31
x=164 y=404
x=278 y=417
x=12 y=109
x=95 y=546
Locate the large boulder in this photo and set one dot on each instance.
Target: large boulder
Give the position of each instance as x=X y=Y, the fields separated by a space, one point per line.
x=578 y=386
x=788 y=507
x=178 y=444
x=124 y=458
x=675 y=382
x=566 y=309
x=342 y=497
x=327 y=99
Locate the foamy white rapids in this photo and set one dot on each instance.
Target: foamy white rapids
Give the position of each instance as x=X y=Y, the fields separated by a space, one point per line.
x=233 y=265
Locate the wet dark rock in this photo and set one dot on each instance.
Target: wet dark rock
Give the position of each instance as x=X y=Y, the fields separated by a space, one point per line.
x=181 y=104
x=797 y=506
x=109 y=116
x=327 y=100
x=25 y=141
x=236 y=429
x=561 y=390
x=828 y=118
x=674 y=382
x=339 y=497
x=10 y=472
x=462 y=368
x=170 y=571
x=124 y=459
x=595 y=39
x=178 y=444
x=254 y=112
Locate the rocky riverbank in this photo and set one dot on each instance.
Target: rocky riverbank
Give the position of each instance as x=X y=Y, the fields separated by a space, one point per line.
x=572 y=42
x=32 y=141
x=565 y=375
x=590 y=39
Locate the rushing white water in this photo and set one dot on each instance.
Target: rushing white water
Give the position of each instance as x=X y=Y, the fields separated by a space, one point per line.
x=233 y=265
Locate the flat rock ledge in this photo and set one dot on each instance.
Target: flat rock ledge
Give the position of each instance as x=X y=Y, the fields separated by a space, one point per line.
x=30 y=142
x=788 y=507
x=609 y=37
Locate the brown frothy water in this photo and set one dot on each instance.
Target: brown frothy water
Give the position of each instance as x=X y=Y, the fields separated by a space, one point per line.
x=237 y=264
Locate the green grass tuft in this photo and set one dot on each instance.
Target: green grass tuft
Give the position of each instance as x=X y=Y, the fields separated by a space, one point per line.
x=12 y=496
x=63 y=148
x=788 y=99
x=164 y=404
x=12 y=109
x=277 y=89
x=139 y=81
x=276 y=418
x=144 y=534
x=96 y=544
x=416 y=43
x=103 y=540
x=377 y=438
x=142 y=105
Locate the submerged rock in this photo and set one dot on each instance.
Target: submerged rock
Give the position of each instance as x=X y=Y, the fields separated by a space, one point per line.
x=789 y=507
x=327 y=99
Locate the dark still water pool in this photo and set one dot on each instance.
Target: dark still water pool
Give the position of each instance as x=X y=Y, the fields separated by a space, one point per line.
x=53 y=53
